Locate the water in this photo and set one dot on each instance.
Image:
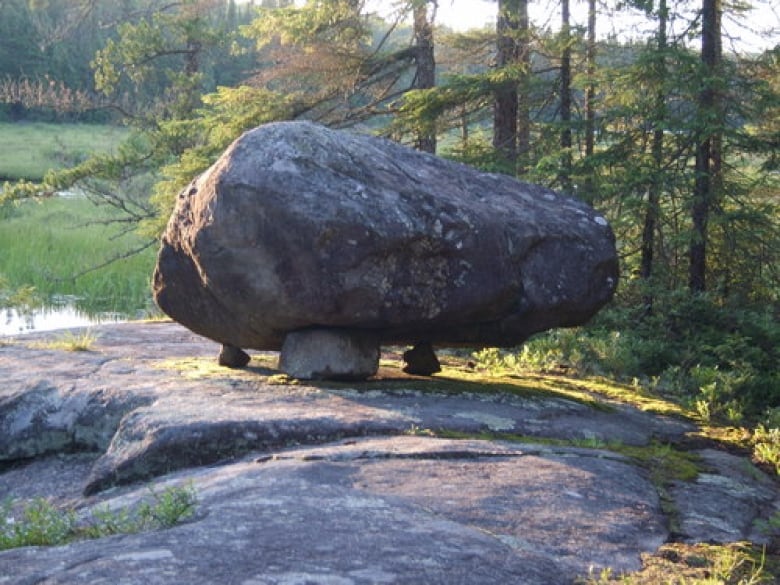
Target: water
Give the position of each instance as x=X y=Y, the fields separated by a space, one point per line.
x=19 y=321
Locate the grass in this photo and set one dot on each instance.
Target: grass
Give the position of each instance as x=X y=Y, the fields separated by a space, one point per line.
x=29 y=149
x=696 y=564
x=766 y=446
x=69 y=341
x=52 y=245
x=40 y=523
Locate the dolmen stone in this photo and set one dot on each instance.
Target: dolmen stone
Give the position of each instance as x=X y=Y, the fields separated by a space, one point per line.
x=299 y=229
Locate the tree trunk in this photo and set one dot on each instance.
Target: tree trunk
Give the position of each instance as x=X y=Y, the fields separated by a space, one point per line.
x=425 y=77
x=652 y=210
x=523 y=107
x=464 y=126
x=708 y=156
x=505 y=107
x=590 y=98
x=565 y=171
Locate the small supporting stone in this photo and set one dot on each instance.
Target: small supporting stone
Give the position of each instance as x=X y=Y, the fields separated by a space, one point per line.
x=421 y=360
x=330 y=354
x=233 y=357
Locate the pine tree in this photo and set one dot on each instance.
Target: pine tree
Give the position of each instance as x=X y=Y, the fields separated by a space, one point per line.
x=505 y=110
x=708 y=168
x=654 y=190
x=425 y=74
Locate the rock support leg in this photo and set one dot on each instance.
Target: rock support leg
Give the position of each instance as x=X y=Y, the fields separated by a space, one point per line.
x=330 y=354
x=421 y=360
x=233 y=357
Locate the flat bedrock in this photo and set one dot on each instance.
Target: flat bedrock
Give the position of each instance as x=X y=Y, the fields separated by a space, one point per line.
x=339 y=482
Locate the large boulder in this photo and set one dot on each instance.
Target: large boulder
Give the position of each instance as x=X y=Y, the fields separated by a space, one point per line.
x=298 y=227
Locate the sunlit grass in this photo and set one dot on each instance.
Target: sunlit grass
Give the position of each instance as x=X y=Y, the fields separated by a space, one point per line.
x=52 y=245
x=69 y=341
x=29 y=149
x=737 y=563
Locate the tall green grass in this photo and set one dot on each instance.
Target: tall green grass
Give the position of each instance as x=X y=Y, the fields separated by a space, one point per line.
x=53 y=245
x=29 y=149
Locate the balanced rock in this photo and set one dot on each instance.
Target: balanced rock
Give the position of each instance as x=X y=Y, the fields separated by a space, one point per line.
x=300 y=228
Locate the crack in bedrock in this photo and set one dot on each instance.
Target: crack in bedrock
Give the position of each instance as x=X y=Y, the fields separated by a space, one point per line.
x=458 y=454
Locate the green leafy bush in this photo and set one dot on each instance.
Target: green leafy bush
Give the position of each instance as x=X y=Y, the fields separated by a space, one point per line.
x=40 y=523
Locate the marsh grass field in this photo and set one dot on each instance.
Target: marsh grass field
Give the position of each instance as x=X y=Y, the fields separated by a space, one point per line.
x=54 y=245
x=29 y=149
x=61 y=247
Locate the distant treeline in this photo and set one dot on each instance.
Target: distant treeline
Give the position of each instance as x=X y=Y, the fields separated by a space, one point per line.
x=48 y=50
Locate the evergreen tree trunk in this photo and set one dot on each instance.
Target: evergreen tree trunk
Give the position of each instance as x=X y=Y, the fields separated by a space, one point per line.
x=590 y=96
x=565 y=172
x=425 y=77
x=654 y=192
x=464 y=126
x=708 y=156
x=506 y=97
x=523 y=107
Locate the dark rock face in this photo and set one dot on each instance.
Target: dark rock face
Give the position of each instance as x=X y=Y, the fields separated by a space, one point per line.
x=301 y=227
x=232 y=357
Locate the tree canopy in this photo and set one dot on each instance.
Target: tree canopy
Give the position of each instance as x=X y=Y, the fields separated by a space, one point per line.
x=673 y=133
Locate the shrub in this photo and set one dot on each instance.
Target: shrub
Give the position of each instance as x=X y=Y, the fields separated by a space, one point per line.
x=719 y=360
x=40 y=523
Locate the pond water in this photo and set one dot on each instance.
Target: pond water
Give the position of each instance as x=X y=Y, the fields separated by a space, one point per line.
x=19 y=321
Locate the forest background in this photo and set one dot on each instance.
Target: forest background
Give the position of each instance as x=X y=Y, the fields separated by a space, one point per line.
x=670 y=127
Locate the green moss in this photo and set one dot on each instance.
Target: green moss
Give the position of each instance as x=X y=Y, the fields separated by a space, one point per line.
x=665 y=463
x=197 y=368
x=627 y=394
x=460 y=380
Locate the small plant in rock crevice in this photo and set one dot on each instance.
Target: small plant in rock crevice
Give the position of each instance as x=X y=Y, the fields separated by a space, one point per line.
x=41 y=523
x=766 y=446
